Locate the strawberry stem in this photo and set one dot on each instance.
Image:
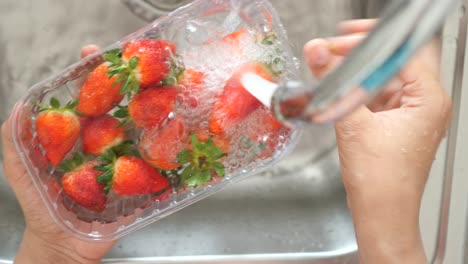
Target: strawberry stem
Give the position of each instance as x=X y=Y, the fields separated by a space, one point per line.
x=203 y=162
x=108 y=162
x=270 y=39
x=177 y=69
x=54 y=104
x=124 y=70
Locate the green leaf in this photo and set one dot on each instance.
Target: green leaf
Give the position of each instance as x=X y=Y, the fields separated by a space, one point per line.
x=113 y=56
x=269 y=39
x=262 y=146
x=123 y=89
x=203 y=159
x=101 y=167
x=136 y=153
x=108 y=157
x=204 y=177
x=136 y=86
x=43 y=107
x=112 y=59
x=198 y=178
x=169 y=81
x=193 y=139
x=77 y=158
x=105 y=177
x=54 y=103
x=107 y=188
x=122 y=112
x=64 y=167
x=192 y=181
x=187 y=173
x=184 y=156
x=124 y=149
x=119 y=80
x=125 y=122
x=219 y=169
x=133 y=63
x=72 y=104
x=72 y=163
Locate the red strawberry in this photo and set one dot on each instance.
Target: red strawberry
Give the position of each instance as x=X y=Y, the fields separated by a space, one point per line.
x=266 y=131
x=133 y=176
x=235 y=42
x=151 y=107
x=191 y=83
x=159 y=147
x=128 y=175
x=191 y=78
x=236 y=103
x=57 y=130
x=154 y=60
x=203 y=160
x=234 y=38
x=221 y=142
x=100 y=93
x=81 y=186
x=101 y=134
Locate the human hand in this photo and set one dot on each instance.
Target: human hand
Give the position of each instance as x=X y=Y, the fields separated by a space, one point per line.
x=387 y=148
x=43 y=240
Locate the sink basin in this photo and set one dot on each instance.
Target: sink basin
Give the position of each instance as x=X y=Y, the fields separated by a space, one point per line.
x=294 y=213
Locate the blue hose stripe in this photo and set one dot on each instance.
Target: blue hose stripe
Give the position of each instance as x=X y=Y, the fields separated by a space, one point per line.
x=387 y=70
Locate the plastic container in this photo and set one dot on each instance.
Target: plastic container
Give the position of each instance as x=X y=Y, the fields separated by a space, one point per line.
x=193 y=28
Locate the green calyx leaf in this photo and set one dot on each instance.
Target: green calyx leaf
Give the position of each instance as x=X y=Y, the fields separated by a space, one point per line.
x=113 y=56
x=72 y=163
x=127 y=148
x=108 y=160
x=107 y=167
x=106 y=177
x=122 y=113
x=277 y=65
x=184 y=156
x=133 y=63
x=270 y=39
x=177 y=69
x=125 y=71
x=54 y=104
x=203 y=162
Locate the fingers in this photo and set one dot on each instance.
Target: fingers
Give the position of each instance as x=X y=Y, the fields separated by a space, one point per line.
x=324 y=55
x=319 y=58
x=342 y=46
x=87 y=50
x=357 y=26
x=13 y=167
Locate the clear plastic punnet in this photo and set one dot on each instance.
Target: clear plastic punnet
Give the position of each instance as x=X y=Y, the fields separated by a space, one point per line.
x=158 y=120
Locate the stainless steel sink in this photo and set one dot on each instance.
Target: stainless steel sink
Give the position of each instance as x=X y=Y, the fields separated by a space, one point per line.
x=294 y=213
